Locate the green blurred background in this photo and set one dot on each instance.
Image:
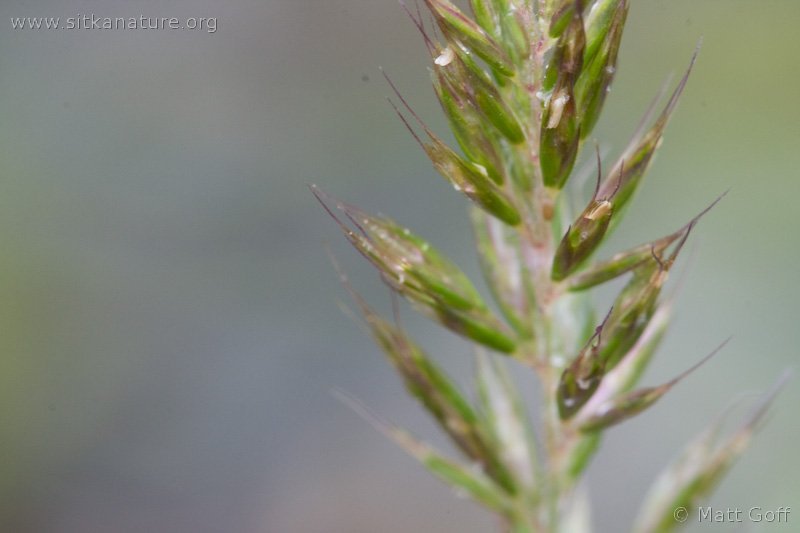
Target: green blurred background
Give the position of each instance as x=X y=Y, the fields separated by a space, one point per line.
x=169 y=321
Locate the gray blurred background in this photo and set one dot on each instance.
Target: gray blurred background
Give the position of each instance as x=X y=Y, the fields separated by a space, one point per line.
x=169 y=321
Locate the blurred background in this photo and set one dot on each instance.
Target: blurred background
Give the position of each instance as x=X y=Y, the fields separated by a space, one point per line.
x=170 y=329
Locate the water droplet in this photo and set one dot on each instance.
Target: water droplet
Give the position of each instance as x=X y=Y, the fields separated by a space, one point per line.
x=481 y=169
x=556 y=109
x=445 y=58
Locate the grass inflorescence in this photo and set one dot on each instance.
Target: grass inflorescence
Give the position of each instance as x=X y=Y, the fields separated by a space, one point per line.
x=522 y=84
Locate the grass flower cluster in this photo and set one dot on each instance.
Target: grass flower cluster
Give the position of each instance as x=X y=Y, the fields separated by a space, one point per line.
x=522 y=84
